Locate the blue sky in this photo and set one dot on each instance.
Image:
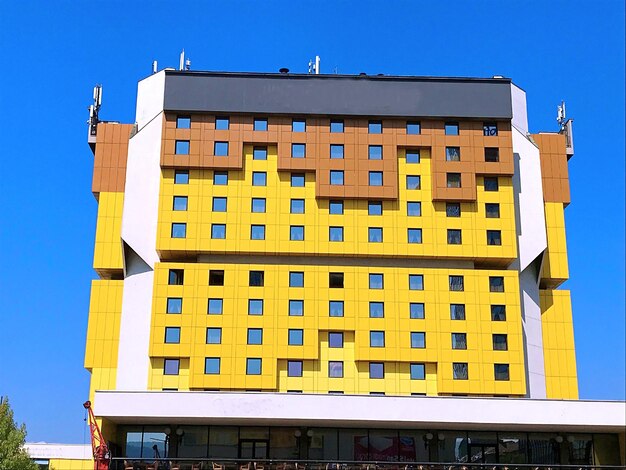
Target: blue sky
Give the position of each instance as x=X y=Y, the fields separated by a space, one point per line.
x=54 y=52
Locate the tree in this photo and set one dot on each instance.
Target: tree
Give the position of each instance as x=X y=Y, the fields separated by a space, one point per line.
x=13 y=456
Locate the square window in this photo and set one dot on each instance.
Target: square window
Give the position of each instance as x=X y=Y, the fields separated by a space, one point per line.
x=171 y=366
x=256 y=278
x=176 y=277
x=376 y=281
x=376 y=178
x=179 y=230
x=412 y=156
x=453 y=209
x=335 y=234
x=453 y=180
x=375 y=234
x=219 y=204
x=297 y=180
x=490 y=129
x=336 y=151
x=418 y=340
x=413 y=182
x=221 y=149
x=494 y=237
x=416 y=310
x=255 y=307
x=414 y=209
x=260 y=124
x=180 y=203
x=490 y=183
x=335 y=339
x=222 y=123
x=297 y=206
x=335 y=308
x=259 y=153
x=215 y=307
x=377 y=310
x=181 y=177
x=295 y=337
x=377 y=339
x=459 y=371
x=457 y=311
x=336 y=177
x=496 y=284
x=492 y=154
x=414 y=235
x=253 y=366
x=492 y=211
x=296 y=233
x=220 y=178
x=413 y=127
x=257 y=232
x=298 y=125
x=255 y=336
x=456 y=283
x=418 y=372
x=335 y=369
x=182 y=147
x=296 y=308
x=218 y=231
x=258 y=205
x=453 y=154
x=335 y=280
x=375 y=208
x=298 y=150
x=498 y=313
x=216 y=277
x=454 y=237
x=416 y=282
x=452 y=128
x=377 y=370
x=213 y=336
x=296 y=279
x=336 y=126
x=172 y=335
x=335 y=207
x=212 y=365
x=259 y=178
x=375 y=152
x=500 y=342
x=375 y=127
x=183 y=122
x=501 y=371
x=294 y=368
x=459 y=341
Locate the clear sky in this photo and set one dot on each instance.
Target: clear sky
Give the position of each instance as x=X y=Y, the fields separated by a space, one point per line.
x=54 y=52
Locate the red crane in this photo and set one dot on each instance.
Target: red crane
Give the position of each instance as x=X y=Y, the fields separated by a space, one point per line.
x=101 y=456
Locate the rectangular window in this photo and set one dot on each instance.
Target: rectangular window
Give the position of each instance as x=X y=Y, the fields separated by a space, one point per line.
x=257 y=232
x=490 y=183
x=296 y=233
x=375 y=234
x=295 y=337
x=335 y=280
x=259 y=153
x=459 y=371
x=492 y=211
x=220 y=178
x=212 y=365
x=335 y=207
x=218 y=231
x=183 y=122
x=296 y=279
x=453 y=209
x=253 y=366
x=297 y=180
x=180 y=203
x=374 y=208
x=260 y=124
x=296 y=308
x=376 y=178
x=492 y=154
x=416 y=282
x=414 y=235
x=258 y=205
x=453 y=154
x=336 y=177
x=176 y=277
x=413 y=127
x=376 y=281
x=500 y=342
x=457 y=311
x=375 y=127
x=498 y=313
x=256 y=278
x=172 y=335
x=255 y=307
x=418 y=340
x=454 y=237
x=501 y=371
x=171 y=366
x=375 y=152
x=294 y=368
x=336 y=151
x=377 y=370
x=259 y=178
x=335 y=234
x=377 y=339
x=255 y=336
x=298 y=125
x=413 y=182
x=335 y=308
x=414 y=209
x=222 y=123
x=418 y=372
x=416 y=310
x=335 y=369
x=412 y=156
x=221 y=149
x=215 y=307
x=377 y=310
x=496 y=284
x=459 y=341
x=336 y=126
x=335 y=339
x=296 y=206
x=181 y=176
x=179 y=230
x=182 y=147
x=219 y=204
x=490 y=129
x=494 y=237
x=453 y=180
x=452 y=128
x=216 y=277
x=298 y=150
x=213 y=336
x=456 y=283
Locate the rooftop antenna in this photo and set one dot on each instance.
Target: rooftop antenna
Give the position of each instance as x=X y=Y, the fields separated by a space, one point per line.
x=181 y=62
x=314 y=66
x=94 y=109
x=154 y=66
x=560 y=115
x=188 y=64
x=566 y=128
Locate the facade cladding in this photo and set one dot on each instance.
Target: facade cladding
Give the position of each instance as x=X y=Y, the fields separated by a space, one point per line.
x=311 y=237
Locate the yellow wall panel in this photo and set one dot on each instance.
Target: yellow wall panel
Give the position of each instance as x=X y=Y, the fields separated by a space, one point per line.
x=108 y=246
x=555 y=268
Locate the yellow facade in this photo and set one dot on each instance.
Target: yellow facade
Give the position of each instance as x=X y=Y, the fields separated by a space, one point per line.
x=70 y=464
x=555 y=268
x=108 y=247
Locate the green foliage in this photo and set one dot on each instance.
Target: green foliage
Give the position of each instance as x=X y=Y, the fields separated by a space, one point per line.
x=12 y=453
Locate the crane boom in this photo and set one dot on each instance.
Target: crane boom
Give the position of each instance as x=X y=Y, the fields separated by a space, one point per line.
x=100 y=450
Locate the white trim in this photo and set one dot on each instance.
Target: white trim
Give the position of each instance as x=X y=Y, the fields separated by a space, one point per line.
x=44 y=450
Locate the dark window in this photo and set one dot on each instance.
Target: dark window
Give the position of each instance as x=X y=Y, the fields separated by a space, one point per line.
x=413 y=182
x=491 y=183
x=375 y=152
x=336 y=126
x=296 y=233
x=298 y=125
x=260 y=124
x=222 y=123
x=375 y=234
x=257 y=232
x=259 y=153
x=453 y=209
x=494 y=237
x=183 y=122
x=500 y=342
x=259 y=178
x=219 y=204
x=459 y=341
x=498 y=312
x=335 y=207
x=172 y=335
x=375 y=208
x=335 y=308
x=412 y=156
x=490 y=128
x=182 y=147
x=453 y=154
x=452 y=128
x=376 y=281
x=335 y=339
x=171 y=366
x=376 y=178
x=416 y=282
x=377 y=370
x=416 y=310
x=336 y=151
x=492 y=210
x=335 y=280
x=176 y=277
x=296 y=308
x=216 y=277
x=413 y=127
x=174 y=305
x=492 y=154
x=295 y=337
x=220 y=178
x=296 y=279
x=377 y=339
x=179 y=230
x=501 y=371
x=457 y=311
x=414 y=235
x=212 y=365
x=496 y=284
x=256 y=278
x=453 y=180
x=375 y=127
x=296 y=206
x=459 y=371
x=181 y=177
x=377 y=310
x=298 y=150
x=335 y=234
x=255 y=336
x=180 y=203
x=297 y=180
x=335 y=369
x=258 y=204
x=220 y=149
x=456 y=283
x=454 y=237
x=418 y=340
x=418 y=372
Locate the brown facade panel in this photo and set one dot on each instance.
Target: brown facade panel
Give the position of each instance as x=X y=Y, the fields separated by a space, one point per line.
x=554 y=171
x=111 y=153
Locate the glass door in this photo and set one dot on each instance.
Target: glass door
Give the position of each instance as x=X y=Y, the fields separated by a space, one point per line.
x=482 y=453
x=253 y=449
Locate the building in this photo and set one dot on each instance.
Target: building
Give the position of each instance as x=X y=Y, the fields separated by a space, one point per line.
x=276 y=252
